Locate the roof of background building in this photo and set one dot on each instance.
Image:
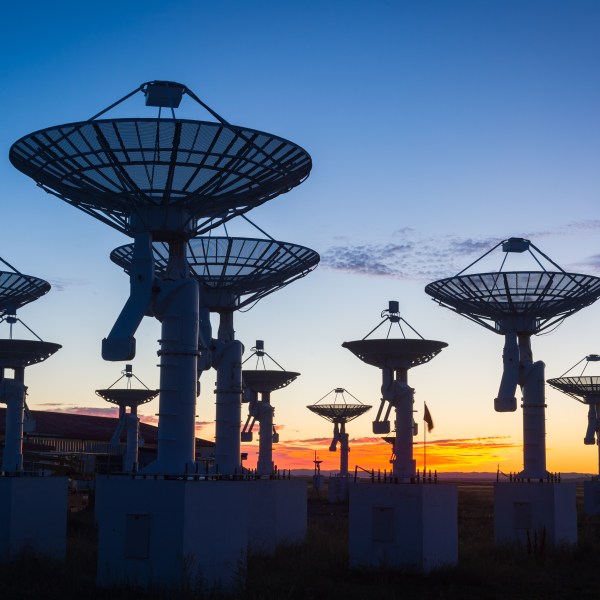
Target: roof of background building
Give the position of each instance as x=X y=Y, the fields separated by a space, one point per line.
x=84 y=427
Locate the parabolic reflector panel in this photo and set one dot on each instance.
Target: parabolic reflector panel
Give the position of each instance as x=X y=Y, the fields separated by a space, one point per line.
x=16 y=290
x=238 y=266
x=22 y=353
x=265 y=380
x=127 y=397
x=112 y=169
x=395 y=353
x=341 y=413
x=586 y=389
x=540 y=295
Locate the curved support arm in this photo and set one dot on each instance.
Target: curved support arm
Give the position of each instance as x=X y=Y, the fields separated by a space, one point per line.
x=120 y=343
x=590 y=434
x=506 y=400
x=387 y=384
x=336 y=438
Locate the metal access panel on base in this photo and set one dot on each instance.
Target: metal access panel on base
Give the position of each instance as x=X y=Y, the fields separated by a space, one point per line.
x=171 y=534
x=542 y=514
x=591 y=497
x=403 y=526
x=33 y=516
x=277 y=514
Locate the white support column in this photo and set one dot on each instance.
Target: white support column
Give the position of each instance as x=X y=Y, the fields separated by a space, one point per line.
x=177 y=308
x=12 y=392
x=403 y=464
x=130 y=459
x=265 y=443
x=344 y=450
x=534 y=412
x=228 y=362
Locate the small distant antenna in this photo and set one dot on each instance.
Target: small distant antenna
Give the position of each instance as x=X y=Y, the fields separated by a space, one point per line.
x=395 y=357
x=128 y=423
x=339 y=412
x=262 y=382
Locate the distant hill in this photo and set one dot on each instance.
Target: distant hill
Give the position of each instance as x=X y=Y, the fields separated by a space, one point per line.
x=448 y=476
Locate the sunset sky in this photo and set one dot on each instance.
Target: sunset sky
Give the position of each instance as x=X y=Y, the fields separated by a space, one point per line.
x=436 y=129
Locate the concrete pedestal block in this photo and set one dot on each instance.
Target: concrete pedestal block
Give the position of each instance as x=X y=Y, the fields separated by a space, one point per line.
x=33 y=516
x=277 y=514
x=535 y=513
x=591 y=497
x=403 y=526
x=172 y=534
x=338 y=490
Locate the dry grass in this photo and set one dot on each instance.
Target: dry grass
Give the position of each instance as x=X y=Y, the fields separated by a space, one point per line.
x=318 y=568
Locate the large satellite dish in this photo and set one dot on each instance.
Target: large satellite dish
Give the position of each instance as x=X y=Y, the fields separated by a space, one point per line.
x=519 y=304
x=525 y=301
x=172 y=177
x=233 y=272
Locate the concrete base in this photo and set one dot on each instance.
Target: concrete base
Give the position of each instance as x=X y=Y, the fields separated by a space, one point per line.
x=338 y=490
x=33 y=516
x=403 y=526
x=277 y=514
x=591 y=497
x=172 y=534
x=542 y=513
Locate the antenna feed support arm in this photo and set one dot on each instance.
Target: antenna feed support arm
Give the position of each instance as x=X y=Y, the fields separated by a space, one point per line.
x=120 y=343
x=506 y=400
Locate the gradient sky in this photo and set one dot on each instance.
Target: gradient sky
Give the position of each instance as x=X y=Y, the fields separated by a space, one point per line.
x=436 y=129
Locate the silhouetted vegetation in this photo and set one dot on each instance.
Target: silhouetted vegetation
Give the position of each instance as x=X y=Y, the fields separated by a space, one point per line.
x=319 y=567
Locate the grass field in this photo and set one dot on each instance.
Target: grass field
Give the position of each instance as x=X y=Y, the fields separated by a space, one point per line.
x=318 y=568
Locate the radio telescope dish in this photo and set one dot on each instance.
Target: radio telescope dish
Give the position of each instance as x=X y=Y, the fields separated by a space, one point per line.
x=519 y=304
x=171 y=177
x=585 y=389
x=233 y=272
x=17 y=289
x=395 y=357
x=395 y=353
x=128 y=423
x=263 y=381
x=526 y=301
x=339 y=412
x=162 y=179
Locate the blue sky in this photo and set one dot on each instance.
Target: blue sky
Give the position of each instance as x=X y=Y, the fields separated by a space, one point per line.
x=436 y=129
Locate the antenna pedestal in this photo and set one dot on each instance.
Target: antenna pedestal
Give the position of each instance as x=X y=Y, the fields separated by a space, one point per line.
x=177 y=307
x=228 y=363
x=524 y=512
x=265 y=443
x=403 y=526
x=395 y=357
x=12 y=393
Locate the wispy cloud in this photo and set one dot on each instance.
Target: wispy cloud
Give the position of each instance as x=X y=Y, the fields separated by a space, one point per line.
x=111 y=411
x=60 y=285
x=408 y=254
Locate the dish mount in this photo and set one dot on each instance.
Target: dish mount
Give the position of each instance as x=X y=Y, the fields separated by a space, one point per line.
x=517 y=305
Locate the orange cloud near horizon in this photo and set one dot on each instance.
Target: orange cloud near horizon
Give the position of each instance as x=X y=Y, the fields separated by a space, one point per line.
x=373 y=453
